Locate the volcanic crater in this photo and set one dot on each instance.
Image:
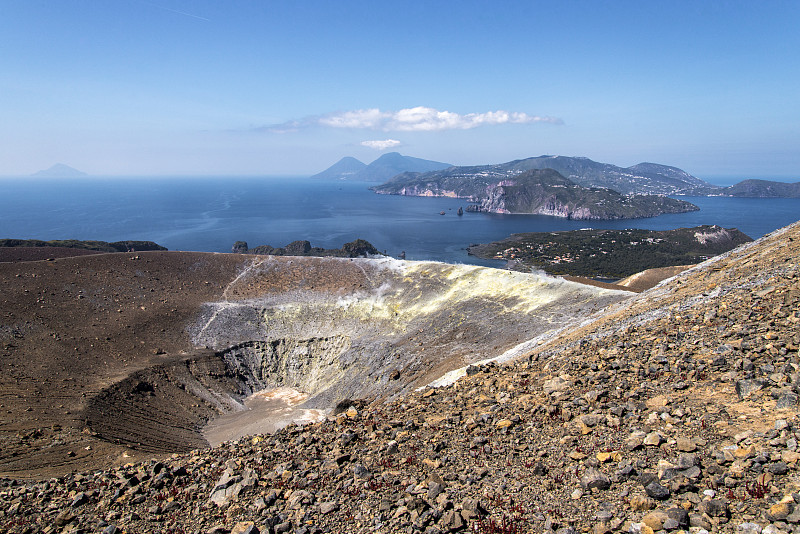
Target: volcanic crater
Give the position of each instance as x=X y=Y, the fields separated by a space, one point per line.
x=114 y=357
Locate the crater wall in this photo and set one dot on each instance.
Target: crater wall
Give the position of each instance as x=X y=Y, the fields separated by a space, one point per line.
x=389 y=326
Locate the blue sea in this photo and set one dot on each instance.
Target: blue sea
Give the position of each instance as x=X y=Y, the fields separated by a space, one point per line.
x=210 y=214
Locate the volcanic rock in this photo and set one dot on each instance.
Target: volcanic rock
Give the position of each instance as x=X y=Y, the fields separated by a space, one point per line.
x=728 y=462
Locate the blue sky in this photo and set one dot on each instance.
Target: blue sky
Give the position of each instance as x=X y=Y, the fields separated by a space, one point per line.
x=129 y=87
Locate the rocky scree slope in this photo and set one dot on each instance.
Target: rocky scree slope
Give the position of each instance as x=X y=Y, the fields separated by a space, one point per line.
x=675 y=413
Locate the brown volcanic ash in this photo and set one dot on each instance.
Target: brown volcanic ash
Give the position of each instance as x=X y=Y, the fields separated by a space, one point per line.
x=104 y=356
x=73 y=326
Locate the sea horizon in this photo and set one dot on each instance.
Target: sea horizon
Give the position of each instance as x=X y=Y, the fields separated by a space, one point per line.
x=720 y=180
x=209 y=214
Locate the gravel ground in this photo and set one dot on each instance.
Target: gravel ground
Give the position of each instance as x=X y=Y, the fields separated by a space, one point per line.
x=674 y=411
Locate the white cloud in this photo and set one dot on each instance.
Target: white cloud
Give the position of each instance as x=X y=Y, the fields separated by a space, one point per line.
x=381 y=144
x=362 y=118
x=417 y=119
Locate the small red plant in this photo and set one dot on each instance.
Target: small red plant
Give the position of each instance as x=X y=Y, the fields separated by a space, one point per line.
x=506 y=525
x=756 y=490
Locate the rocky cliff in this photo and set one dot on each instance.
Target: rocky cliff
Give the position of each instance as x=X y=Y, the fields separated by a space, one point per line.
x=545 y=192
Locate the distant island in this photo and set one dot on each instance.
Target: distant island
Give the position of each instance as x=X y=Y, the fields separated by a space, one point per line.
x=354 y=249
x=573 y=187
x=59 y=170
x=537 y=191
x=382 y=169
x=471 y=182
x=478 y=183
x=611 y=253
x=546 y=192
x=762 y=189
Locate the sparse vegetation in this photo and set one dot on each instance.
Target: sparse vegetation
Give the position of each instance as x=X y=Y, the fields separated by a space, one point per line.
x=101 y=246
x=611 y=253
x=353 y=249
